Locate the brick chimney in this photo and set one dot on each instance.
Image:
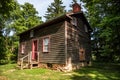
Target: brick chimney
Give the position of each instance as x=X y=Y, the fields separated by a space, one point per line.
x=76 y=7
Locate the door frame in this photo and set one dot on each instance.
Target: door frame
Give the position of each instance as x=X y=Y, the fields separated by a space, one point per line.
x=33 y=55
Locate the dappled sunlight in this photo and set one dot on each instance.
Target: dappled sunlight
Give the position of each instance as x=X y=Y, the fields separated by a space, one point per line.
x=98 y=71
x=97 y=76
x=92 y=75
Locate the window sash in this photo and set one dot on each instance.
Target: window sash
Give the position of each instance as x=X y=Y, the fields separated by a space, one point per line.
x=22 y=48
x=45 y=48
x=86 y=29
x=74 y=21
x=31 y=33
x=46 y=44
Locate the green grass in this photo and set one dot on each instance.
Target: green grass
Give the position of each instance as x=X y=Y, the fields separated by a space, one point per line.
x=99 y=71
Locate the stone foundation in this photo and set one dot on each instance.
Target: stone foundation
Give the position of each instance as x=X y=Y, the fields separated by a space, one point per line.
x=63 y=67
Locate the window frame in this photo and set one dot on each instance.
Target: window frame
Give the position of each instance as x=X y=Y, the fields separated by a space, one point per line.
x=48 y=49
x=86 y=28
x=31 y=33
x=22 y=47
x=82 y=54
x=74 y=21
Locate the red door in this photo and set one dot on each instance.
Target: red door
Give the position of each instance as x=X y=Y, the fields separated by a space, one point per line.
x=34 y=50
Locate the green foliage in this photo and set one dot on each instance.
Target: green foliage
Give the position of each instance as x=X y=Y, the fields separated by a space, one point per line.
x=104 y=18
x=2 y=49
x=24 y=17
x=55 y=9
x=14 y=18
x=5 y=7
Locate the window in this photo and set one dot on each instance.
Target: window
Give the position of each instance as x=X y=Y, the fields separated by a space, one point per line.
x=86 y=29
x=23 y=47
x=46 y=41
x=82 y=54
x=31 y=33
x=74 y=21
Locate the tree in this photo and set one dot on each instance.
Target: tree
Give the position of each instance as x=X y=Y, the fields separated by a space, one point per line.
x=104 y=17
x=74 y=1
x=24 y=17
x=21 y=18
x=5 y=7
x=55 y=9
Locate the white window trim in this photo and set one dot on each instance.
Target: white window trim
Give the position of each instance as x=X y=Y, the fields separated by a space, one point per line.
x=48 y=45
x=22 y=49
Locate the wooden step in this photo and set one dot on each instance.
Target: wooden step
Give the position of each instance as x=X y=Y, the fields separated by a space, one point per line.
x=34 y=64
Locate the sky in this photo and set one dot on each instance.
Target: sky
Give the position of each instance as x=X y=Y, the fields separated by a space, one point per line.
x=42 y=5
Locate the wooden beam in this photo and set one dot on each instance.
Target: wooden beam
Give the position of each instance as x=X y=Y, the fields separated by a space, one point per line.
x=66 y=42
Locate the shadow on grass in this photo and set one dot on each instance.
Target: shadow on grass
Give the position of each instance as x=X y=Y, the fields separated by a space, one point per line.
x=99 y=71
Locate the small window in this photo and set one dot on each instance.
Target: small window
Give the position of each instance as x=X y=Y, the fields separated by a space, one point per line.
x=86 y=29
x=82 y=54
x=23 y=47
x=31 y=33
x=74 y=21
x=46 y=41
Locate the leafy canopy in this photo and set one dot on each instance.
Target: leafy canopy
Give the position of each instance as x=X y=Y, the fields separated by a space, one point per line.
x=104 y=17
x=25 y=17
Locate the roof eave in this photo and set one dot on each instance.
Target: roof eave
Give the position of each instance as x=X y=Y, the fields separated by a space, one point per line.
x=71 y=14
x=48 y=22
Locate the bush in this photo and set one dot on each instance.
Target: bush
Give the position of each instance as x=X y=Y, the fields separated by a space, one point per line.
x=4 y=61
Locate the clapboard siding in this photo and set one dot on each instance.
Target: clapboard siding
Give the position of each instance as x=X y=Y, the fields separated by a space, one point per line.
x=78 y=39
x=67 y=41
x=56 y=53
x=56 y=34
x=72 y=43
x=84 y=39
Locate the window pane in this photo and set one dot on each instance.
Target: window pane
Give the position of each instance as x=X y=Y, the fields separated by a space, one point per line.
x=86 y=29
x=46 y=41
x=45 y=49
x=22 y=47
x=46 y=44
x=31 y=33
x=74 y=21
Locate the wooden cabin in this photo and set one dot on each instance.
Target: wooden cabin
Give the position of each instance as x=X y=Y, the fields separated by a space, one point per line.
x=62 y=43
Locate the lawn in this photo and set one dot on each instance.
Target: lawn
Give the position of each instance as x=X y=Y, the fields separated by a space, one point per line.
x=99 y=71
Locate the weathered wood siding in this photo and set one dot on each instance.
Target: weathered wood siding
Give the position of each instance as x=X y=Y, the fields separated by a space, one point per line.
x=72 y=43
x=78 y=39
x=56 y=52
x=27 y=48
x=84 y=39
